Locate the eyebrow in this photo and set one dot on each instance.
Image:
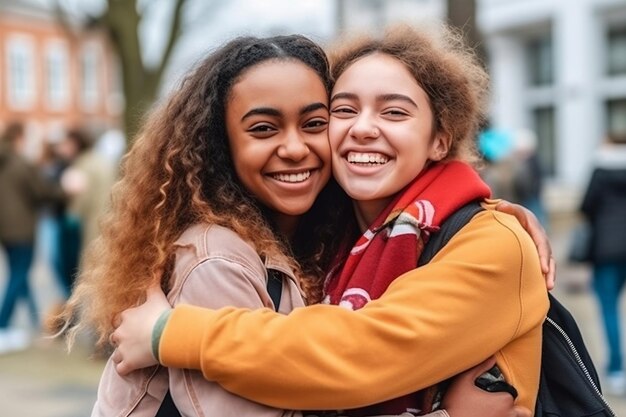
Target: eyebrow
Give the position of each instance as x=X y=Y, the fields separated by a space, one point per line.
x=401 y=97
x=349 y=96
x=312 y=107
x=382 y=97
x=267 y=111
x=270 y=111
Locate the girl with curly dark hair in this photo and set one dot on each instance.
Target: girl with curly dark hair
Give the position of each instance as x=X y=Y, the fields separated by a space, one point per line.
x=226 y=186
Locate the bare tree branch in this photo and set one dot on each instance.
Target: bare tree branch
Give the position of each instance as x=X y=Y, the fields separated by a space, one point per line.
x=121 y=20
x=174 y=35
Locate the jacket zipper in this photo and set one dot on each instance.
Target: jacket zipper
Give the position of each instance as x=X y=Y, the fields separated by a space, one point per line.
x=581 y=364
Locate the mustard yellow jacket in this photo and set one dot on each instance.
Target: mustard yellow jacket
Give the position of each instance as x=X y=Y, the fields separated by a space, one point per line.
x=482 y=294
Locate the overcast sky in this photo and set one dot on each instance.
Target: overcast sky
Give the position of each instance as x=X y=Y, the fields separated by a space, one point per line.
x=209 y=26
x=208 y=23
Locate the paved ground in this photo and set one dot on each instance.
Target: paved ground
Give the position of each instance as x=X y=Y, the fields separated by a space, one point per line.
x=45 y=381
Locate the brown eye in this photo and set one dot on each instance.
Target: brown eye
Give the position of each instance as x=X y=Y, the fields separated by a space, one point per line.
x=316 y=125
x=262 y=130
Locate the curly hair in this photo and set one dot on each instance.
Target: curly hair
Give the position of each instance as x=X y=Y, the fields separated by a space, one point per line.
x=446 y=69
x=179 y=172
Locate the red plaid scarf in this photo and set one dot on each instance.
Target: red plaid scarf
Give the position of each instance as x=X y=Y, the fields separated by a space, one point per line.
x=392 y=246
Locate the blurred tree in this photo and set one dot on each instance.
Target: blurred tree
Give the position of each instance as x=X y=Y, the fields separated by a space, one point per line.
x=462 y=14
x=121 y=19
x=140 y=82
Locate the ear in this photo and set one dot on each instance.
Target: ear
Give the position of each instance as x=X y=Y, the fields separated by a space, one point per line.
x=440 y=146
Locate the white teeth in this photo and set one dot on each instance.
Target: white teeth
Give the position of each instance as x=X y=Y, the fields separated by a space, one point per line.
x=299 y=177
x=367 y=158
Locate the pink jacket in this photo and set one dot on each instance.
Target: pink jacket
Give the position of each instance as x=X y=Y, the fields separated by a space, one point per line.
x=214 y=268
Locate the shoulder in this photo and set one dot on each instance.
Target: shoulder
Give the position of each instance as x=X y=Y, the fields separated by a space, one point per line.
x=490 y=225
x=496 y=228
x=214 y=267
x=495 y=239
x=211 y=241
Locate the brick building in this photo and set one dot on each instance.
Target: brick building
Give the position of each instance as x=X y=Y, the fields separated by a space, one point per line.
x=54 y=76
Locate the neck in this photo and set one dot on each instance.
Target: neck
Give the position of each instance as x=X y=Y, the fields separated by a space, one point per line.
x=286 y=224
x=367 y=211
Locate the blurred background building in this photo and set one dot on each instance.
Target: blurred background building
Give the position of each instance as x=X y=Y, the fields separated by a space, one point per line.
x=559 y=68
x=54 y=74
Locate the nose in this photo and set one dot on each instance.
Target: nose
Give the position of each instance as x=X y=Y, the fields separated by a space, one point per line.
x=293 y=147
x=364 y=127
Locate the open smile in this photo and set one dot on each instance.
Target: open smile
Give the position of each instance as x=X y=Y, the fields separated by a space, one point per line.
x=367 y=158
x=292 y=178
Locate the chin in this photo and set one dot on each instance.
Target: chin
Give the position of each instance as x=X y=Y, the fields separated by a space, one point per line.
x=295 y=211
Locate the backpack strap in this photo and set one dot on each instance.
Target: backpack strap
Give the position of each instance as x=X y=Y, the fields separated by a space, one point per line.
x=450 y=226
x=168 y=408
x=275 y=289
x=275 y=286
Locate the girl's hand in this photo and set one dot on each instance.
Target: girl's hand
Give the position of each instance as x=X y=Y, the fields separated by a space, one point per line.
x=464 y=399
x=539 y=235
x=133 y=337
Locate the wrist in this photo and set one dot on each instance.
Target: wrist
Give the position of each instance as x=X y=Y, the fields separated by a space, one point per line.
x=157 y=331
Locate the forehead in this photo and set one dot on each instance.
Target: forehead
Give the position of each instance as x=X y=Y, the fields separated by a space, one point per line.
x=270 y=79
x=377 y=69
x=377 y=75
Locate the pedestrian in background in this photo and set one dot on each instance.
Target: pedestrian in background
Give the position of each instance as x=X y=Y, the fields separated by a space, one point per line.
x=604 y=206
x=528 y=174
x=23 y=192
x=52 y=217
x=87 y=180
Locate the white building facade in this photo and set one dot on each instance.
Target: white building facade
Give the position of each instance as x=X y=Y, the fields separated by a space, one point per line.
x=558 y=67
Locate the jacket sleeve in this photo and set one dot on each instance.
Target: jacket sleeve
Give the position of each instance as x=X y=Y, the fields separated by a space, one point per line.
x=217 y=282
x=480 y=292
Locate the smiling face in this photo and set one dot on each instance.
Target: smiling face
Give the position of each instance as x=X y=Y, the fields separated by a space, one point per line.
x=381 y=132
x=276 y=121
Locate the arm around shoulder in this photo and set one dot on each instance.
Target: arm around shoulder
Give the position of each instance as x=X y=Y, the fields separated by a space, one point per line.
x=438 y=320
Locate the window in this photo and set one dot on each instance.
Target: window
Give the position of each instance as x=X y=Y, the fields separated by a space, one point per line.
x=20 y=61
x=616 y=51
x=544 y=120
x=616 y=118
x=57 y=70
x=89 y=66
x=540 y=60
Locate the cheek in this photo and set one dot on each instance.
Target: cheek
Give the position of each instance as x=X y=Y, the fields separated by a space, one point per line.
x=323 y=152
x=336 y=133
x=246 y=163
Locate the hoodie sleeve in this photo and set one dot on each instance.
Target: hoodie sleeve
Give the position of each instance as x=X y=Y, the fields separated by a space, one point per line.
x=482 y=294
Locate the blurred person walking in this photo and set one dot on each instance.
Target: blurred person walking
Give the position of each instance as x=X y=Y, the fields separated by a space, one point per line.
x=24 y=191
x=495 y=147
x=528 y=174
x=87 y=180
x=604 y=206
x=52 y=217
x=513 y=169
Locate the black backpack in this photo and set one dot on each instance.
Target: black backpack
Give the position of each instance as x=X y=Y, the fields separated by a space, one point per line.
x=569 y=384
